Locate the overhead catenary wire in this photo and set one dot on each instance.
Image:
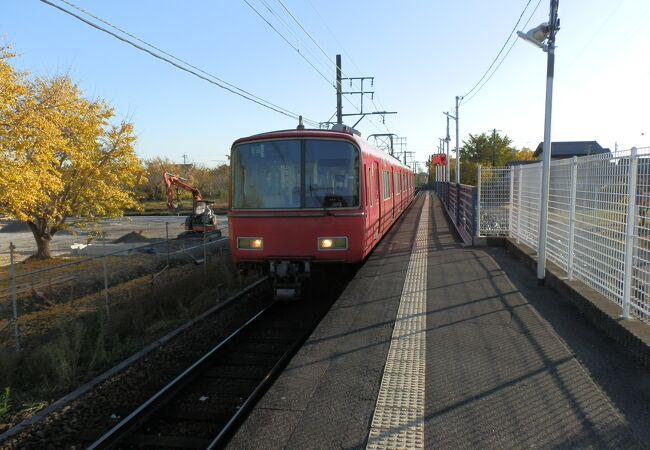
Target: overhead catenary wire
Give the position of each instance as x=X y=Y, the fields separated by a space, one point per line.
x=168 y=54
x=333 y=35
x=313 y=40
x=177 y=62
x=504 y=57
x=268 y=7
x=306 y=32
x=284 y=38
x=500 y=51
x=317 y=59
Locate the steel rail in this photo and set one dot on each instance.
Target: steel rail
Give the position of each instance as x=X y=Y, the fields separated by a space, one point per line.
x=226 y=431
x=142 y=413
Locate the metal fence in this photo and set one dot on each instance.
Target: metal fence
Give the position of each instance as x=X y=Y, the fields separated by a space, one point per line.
x=598 y=220
x=494 y=195
x=460 y=202
x=36 y=297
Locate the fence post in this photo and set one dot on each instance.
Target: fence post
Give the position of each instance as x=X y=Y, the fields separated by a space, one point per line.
x=521 y=194
x=511 y=200
x=572 y=215
x=457 y=203
x=630 y=227
x=167 y=240
x=477 y=217
x=14 y=299
x=105 y=270
x=205 y=253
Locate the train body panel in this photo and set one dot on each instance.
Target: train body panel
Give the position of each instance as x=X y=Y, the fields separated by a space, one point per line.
x=296 y=238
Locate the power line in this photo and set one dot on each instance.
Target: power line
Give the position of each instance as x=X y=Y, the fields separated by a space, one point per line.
x=329 y=82
x=306 y=32
x=333 y=35
x=282 y=21
x=504 y=57
x=196 y=72
x=324 y=65
x=268 y=7
x=330 y=59
x=167 y=54
x=500 y=51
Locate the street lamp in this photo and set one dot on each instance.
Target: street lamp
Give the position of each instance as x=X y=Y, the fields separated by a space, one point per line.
x=543 y=36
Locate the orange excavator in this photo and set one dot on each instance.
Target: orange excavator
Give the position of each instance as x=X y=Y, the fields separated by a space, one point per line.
x=202 y=218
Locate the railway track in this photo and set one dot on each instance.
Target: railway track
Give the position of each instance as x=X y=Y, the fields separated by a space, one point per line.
x=202 y=406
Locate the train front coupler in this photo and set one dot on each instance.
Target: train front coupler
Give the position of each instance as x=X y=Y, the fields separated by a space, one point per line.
x=288 y=278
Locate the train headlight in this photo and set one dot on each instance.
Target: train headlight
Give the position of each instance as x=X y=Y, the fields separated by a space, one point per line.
x=250 y=243
x=333 y=243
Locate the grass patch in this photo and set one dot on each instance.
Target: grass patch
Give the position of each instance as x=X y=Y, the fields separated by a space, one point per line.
x=84 y=344
x=5 y=402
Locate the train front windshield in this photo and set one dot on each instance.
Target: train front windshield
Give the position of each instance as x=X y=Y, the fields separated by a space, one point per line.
x=295 y=173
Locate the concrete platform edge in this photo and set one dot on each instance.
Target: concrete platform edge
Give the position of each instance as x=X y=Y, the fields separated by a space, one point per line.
x=632 y=334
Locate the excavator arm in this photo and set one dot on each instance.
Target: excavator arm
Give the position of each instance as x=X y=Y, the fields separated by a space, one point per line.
x=202 y=218
x=172 y=181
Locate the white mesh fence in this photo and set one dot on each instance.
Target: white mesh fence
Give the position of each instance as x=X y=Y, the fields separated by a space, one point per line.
x=527 y=180
x=494 y=197
x=598 y=220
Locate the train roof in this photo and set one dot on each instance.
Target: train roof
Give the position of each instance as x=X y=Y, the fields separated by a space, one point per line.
x=328 y=134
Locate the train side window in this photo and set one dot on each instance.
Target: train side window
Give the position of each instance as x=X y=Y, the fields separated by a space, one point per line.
x=396 y=183
x=386 y=184
x=365 y=184
x=369 y=185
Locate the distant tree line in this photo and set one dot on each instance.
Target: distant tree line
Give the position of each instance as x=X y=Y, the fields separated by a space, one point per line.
x=487 y=149
x=212 y=182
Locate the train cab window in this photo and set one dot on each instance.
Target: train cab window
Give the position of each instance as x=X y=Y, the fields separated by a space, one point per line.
x=266 y=175
x=331 y=174
x=295 y=173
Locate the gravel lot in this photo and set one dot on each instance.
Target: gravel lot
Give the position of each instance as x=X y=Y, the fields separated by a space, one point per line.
x=150 y=226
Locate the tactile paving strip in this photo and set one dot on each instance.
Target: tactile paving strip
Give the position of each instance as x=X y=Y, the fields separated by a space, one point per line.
x=398 y=421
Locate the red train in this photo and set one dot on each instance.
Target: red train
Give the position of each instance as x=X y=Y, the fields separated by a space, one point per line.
x=311 y=196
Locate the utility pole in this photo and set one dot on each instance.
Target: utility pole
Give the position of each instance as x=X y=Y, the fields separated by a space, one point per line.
x=447 y=139
x=184 y=159
x=361 y=93
x=457 y=151
x=339 y=106
x=384 y=141
x=449 y=116
x=494 y=147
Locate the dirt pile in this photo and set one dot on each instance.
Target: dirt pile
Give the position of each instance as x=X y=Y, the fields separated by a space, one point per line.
x=131 y=238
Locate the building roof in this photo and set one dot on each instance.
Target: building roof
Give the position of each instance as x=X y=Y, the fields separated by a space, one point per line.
x=568 y=149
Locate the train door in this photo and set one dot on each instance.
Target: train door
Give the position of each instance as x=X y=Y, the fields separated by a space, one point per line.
x=394 y=197
x=377 y=196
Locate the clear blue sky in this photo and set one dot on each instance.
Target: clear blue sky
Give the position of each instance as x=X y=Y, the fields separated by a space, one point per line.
x=421 y=53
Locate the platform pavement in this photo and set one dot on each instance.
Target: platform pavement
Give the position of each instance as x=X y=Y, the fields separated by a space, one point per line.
x=497 y=374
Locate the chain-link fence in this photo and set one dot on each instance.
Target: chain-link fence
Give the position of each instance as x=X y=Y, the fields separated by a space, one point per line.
x=598 y=220
x=37 y=297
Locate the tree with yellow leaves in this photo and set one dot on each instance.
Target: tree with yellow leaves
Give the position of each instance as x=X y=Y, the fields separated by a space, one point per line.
x=60 y=157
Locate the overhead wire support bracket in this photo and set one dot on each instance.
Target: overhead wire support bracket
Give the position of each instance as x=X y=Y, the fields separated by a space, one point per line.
x=362 y=114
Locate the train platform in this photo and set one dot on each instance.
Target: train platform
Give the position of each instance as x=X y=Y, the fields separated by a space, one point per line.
x=438 y=345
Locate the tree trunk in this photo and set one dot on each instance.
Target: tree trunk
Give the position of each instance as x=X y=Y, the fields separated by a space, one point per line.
x=42 y=237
